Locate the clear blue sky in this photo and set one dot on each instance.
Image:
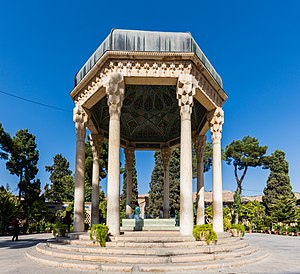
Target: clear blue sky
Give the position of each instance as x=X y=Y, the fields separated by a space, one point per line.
x=254 y=46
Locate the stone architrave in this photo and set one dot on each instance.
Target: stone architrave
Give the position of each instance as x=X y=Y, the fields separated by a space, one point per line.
x=95 y=142
x=115 y=89
x=129 y=156
x=166 y=156
x=200 y=142
x=80 y=119
x=216 y=123
x=185 y=93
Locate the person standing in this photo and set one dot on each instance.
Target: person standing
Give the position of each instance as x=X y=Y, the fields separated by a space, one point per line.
x=137 y=212
x=16 y=227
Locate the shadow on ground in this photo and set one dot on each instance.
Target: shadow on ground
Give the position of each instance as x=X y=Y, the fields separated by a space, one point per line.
x=21 y=243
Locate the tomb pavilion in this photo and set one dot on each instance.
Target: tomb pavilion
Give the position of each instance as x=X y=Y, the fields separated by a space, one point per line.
x=144 y=90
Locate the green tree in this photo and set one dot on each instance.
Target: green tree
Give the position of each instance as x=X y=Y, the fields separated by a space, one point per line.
x=243 y=154
x=5 y=143
x=279 y=199
x=175 y=180
x=10 y=208
x=34 y=204
x=254 y=212
x=134 y=188
x=157 y=183
x=61 y=188
x=103 y=161
x=23 y=158
x=156 y=186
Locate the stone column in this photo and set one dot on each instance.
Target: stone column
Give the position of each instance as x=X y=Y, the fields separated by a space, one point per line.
x=200 y=146
x=115 y=88
x=166 y=155
x=129 y=156
x=96 y=146
x=216 y=129
x=185 y=94
x=80 y=118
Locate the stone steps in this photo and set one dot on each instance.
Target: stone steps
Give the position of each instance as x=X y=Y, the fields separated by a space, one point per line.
x=142 y=250
x=193 y=267
x=143 y=258
x=137 y=252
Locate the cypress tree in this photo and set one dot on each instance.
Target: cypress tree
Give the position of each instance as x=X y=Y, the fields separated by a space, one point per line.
x=61 y=188
x=279 y=199
x=175 y=180
x=156 y=192
x=156 y=186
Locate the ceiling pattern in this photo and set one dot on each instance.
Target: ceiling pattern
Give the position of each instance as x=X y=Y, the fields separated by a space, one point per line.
x=149 y=114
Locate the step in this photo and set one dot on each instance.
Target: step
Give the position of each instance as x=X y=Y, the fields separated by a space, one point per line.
x=149 y=268
x=38 y=257
x=164 y=251
x=196 y=267
x=144 y=259
x=178 y=244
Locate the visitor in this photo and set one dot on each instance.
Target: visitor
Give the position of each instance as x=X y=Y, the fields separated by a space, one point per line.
x=137 y=212
x=16 y=225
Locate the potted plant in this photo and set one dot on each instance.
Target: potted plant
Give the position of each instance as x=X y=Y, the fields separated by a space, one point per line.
x=283 y=230
x=59 y=229
x=99 y=232
x=205 y=233
x=237 y=230
x=276 y=228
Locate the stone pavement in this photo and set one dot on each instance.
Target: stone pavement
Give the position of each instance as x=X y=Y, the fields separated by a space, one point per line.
x=284 y=256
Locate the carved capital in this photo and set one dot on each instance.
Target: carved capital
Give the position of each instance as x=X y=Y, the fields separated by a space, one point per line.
x=166 y=156
x=185 y=93
x=80 y=118
x=129 y=157
x=115 y=89
x=216 y=122
x=200 y=142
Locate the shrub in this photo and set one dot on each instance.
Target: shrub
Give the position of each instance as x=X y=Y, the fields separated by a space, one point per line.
x=227 y=224
x=205 y=232
x=240 y=228
x=100 y=232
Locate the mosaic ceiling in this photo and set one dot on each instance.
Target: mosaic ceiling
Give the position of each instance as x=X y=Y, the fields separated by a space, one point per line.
x=150 y=114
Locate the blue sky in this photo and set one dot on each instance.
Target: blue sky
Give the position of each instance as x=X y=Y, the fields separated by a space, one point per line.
x=253 y=45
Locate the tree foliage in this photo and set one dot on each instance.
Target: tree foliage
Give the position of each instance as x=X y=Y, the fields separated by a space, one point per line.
x=5 y=143
x=254 y=212
x=157 y=184
x=243 y=154
x=278 y=198
x=61 y=188
x=23 y=158
x=175 y=180
x=10 y=208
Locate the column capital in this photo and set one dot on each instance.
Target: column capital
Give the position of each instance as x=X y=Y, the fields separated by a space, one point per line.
x=166 y=156
x=115 y=89
x=129 y=157
x=80 y=118
x=185 y=93
x=200 y=141
x=215 y=123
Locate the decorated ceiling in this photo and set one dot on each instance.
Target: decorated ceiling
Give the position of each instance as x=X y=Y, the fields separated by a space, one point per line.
x=150 y=114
